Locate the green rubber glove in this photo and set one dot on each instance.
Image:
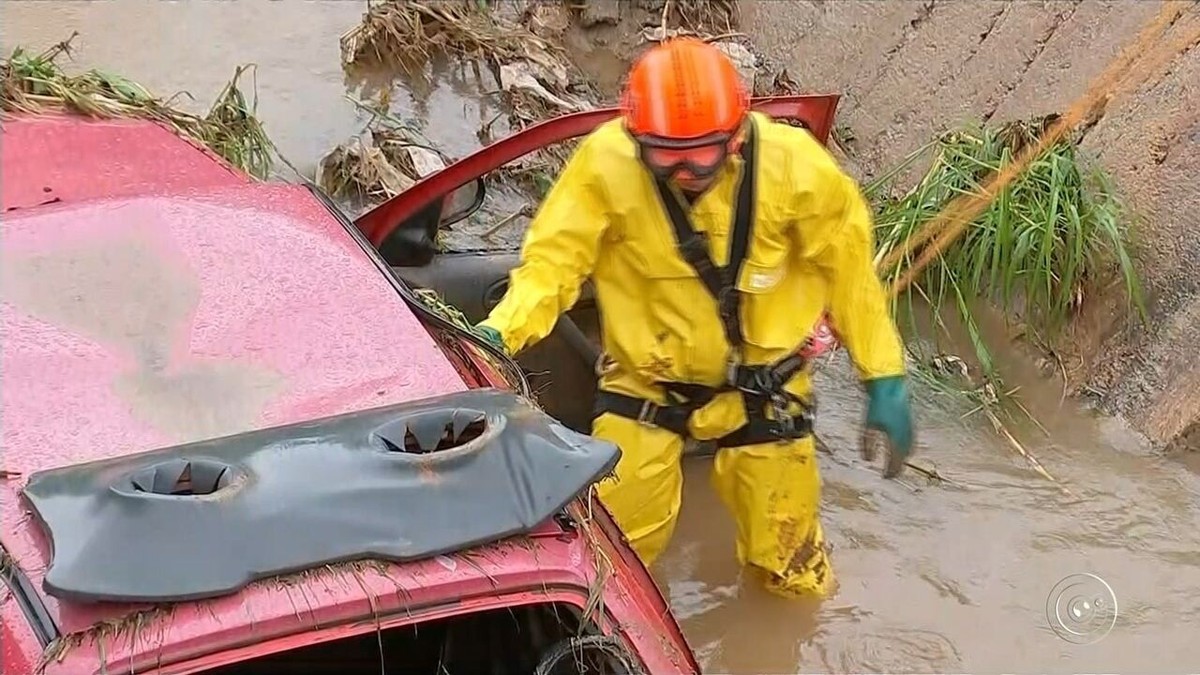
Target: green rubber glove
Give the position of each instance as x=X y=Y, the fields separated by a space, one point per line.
x=491 y=335
x=889 y=422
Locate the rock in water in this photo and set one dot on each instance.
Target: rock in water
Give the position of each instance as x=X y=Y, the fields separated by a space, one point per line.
x=597 y=12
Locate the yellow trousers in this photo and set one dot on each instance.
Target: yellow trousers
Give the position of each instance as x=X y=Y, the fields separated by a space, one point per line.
x=772 y=490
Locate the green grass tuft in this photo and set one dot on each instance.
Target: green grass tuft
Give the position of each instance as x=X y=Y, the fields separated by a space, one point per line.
x=1044 y=242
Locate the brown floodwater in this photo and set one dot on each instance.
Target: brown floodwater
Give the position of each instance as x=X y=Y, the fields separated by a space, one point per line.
x=950 y=577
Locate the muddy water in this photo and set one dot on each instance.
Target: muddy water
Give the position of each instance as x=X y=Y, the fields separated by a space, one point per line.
x=956 y=577
x=934 y=578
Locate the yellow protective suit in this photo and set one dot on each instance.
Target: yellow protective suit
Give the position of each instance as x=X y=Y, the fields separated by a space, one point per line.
x=811 y=249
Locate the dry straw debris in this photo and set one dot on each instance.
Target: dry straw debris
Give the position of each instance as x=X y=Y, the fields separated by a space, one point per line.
x=523 y=50
x=535 y=78
x=401 y=32
x=701 y=16
x=35 y=83
x=384 y=159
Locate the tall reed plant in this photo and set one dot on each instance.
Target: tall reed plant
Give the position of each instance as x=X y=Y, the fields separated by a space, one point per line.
x=1045 y=241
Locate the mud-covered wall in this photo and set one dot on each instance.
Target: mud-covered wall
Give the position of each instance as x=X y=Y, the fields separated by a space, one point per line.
x=911 y=69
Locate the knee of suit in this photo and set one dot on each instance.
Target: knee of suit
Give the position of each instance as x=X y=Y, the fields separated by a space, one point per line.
x=772 y=491
x=645 y=495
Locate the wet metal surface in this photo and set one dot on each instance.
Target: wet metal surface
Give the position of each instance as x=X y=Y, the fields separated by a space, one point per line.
x=154 y=159
x=135 y=323
x=950 y=578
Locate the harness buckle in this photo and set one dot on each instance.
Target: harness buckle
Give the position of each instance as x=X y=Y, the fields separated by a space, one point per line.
x=732 y=362
x=604 y=365
x=768 y=382
x=647 y=413
x=785 y=419
x=725 y=301
x=762 y=381
x=780 y=401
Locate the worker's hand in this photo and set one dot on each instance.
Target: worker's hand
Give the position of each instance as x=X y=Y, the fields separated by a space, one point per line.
x=889 y=422
x=491 y=335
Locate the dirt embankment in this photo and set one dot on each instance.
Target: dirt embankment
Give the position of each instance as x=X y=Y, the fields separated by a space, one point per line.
x=911 y=69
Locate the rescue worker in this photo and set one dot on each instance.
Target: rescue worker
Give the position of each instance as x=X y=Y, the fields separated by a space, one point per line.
x=715 y=239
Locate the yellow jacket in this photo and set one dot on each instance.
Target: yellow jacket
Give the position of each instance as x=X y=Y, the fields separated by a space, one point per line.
x=811 y=249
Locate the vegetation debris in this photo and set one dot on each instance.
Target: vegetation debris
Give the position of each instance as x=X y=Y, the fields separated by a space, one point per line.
x=700 y=16
x=359 y=168
x=384 y=159
x=454 y=315
x=533 y=74
x=408 y=32
x=1044 y=240
x=34 y=83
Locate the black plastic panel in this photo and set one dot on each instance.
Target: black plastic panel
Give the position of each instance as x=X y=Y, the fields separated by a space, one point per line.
x=372 y=484
x=24 y=593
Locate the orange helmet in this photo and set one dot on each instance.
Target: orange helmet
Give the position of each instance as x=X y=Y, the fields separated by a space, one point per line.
x=684 y=102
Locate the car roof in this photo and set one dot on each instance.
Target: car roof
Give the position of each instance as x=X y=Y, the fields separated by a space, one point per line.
x=166 y=299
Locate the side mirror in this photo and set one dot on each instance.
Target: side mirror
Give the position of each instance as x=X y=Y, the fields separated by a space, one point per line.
x=414 y=242
x=462 y=202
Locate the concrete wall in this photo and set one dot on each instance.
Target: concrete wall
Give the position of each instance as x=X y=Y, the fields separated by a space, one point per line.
x=909 y=69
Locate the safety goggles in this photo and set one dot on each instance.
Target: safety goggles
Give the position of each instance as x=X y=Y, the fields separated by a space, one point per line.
x=701 y=157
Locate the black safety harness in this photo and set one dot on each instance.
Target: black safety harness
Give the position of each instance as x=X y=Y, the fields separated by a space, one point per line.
x=762 y=387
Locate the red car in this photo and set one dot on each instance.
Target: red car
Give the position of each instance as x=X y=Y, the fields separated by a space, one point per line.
x=236 y=441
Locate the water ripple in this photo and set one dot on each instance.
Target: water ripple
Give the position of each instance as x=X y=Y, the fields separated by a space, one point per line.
x=692 y=598
x=897 y=651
